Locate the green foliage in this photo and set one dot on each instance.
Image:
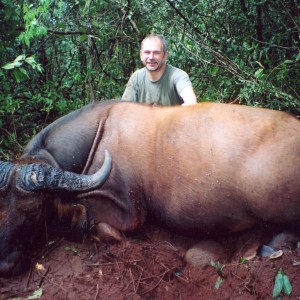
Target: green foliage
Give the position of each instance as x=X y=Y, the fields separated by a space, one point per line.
x=244 y=260
x=37 y=294
x=59 y=55
x=33 y=16
x=219 y=268
x=19 y=73
x=71 y=249
x=282 y=284
x=218 y=283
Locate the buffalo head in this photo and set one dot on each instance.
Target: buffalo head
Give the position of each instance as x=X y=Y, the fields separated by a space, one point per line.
x=25 y=189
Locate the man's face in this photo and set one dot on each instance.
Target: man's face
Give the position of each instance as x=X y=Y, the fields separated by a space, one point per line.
x=152 y=54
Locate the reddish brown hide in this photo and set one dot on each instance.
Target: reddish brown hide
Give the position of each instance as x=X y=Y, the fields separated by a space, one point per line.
x=204 y=170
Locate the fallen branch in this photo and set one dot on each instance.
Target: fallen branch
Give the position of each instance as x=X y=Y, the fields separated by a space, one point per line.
x=112 y=263
x=97 y=292
x=43 y=277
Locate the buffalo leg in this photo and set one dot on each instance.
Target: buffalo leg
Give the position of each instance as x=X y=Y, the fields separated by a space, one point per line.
x=108 y=233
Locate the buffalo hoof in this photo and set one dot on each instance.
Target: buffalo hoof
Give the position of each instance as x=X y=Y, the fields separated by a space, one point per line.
x=279 y=244
x=204 y=252
x=266 y=251
x=284 y=241
x=108 y=233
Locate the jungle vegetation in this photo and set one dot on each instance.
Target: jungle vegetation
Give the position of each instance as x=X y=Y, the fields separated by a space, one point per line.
x=59 y=55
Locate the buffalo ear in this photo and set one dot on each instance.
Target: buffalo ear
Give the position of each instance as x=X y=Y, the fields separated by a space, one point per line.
x=5 y=172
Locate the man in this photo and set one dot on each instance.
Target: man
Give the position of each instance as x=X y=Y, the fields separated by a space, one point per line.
x=158 y=82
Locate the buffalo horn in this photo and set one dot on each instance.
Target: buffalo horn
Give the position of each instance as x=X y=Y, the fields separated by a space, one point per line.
x=5 y=168
x=38 y=176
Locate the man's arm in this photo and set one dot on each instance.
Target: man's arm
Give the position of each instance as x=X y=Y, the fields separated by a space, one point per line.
x=188 y=96
x=129 y=93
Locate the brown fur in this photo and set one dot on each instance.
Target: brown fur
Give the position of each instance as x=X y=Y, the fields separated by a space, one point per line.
x=207 y=170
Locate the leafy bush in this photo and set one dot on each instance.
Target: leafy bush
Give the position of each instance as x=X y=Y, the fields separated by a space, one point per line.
x=59 y=55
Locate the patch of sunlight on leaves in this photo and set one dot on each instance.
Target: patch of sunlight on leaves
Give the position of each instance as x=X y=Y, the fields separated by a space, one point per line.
x=39 y=267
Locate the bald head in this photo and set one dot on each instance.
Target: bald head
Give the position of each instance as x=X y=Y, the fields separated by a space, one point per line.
x=158 y=38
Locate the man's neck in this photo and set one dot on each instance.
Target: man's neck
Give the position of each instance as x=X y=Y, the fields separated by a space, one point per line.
x=156 y=75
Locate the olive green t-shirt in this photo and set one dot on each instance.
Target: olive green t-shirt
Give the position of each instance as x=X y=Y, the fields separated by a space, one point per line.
x=164 y=91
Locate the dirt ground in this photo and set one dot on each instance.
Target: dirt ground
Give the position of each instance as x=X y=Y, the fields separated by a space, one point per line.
x=149 y=265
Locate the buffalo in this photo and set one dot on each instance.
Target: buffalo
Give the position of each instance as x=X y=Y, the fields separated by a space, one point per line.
x=205 y=170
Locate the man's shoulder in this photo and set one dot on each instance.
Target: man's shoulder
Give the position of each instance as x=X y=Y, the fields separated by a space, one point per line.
x=139 y=73
x=175 y=71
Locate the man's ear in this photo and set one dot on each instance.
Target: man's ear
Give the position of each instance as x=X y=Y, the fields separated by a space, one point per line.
x=166 y=56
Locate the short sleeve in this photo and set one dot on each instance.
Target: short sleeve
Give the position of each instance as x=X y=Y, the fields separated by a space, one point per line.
x=130 y=93
x=181 y=80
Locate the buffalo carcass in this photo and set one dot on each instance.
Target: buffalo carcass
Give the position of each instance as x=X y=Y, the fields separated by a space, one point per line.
x=205 y=170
